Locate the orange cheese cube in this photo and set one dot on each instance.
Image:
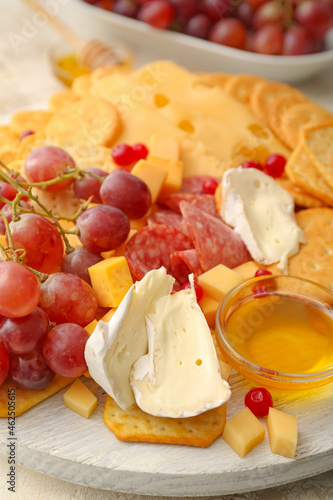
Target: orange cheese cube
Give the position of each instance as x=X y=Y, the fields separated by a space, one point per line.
x=91 y=327
x=111 y=279
x=80 y=399
x=121 y=249
x=218 y=281
x=106 y=318
x=174 y=176
x=282 y=432
x=152 y=175
x=209 y=307
x=247 y=270
x=243 y=432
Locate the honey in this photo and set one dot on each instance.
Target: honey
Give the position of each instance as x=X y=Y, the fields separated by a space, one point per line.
x=282 y=334
x=67 y=68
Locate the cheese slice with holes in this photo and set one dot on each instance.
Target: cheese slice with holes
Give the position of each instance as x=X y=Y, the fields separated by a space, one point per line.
x=113 y=347
x=180 y=375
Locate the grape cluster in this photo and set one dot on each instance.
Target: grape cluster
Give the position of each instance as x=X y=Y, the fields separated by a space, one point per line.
x=46 y=298
x=274 y=27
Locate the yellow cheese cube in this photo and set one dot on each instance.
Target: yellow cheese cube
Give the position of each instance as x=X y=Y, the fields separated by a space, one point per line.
x=152 y=175
x=174 y=176
x=91 y=327
x=209 y=307
x=247 y=270
x=106 y=318
x=80 y=399
x=243 y=432
x=217 y=282
x=111 y=279
x=282 y=432
x=164 y=147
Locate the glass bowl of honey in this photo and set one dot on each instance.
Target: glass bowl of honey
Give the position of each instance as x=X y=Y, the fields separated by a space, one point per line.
x=278 y=331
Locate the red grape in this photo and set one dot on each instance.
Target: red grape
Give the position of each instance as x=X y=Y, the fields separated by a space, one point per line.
x=245 y=14
x=216 y=9
x=140 y=151
x=270 y=13
x=78 y=262
x=185 y=9
x=102 y=228
x=126 y=8
x=46 y=163
x=122 y=154
x=255 y=4
x=274 y=165
x=130 y=194
x=297 y=41
x=64 y=350
x=8 y=211
x=199 y=26
x=87 y=186
x=268 y=40
x=19 y=290
x=68 y=298
x=157 y=13
x=259 y=400
x=315 y=16
x=40 y=239
x=21 y=335
x=230 y=32
x=7 y=191
x=30 y=370
x=4 y=363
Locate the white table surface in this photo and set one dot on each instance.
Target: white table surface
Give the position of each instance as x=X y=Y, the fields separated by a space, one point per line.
x=26 y=81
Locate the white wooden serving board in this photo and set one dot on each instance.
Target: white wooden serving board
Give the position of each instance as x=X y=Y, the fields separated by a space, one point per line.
x=54 y=440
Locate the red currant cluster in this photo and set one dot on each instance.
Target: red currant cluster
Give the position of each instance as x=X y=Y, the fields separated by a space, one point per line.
x=274 y=165
x=276 y=27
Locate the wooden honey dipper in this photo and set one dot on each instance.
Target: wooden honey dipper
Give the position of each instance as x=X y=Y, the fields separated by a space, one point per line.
x=92 y=54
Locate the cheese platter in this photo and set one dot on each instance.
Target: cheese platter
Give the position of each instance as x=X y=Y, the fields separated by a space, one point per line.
x=82 y=450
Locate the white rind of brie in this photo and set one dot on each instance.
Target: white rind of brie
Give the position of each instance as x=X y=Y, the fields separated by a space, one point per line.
x=180 y=376
x=113 y=347
x=262 y=213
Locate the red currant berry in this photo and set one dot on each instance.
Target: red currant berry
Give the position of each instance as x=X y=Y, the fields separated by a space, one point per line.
x=122 y=154
x=259 y=400
x=262 y=272
x=25 y=134
x=197 y=288
x=209 y=186
x=252 y=164
x=140 y=152
x=274 y=165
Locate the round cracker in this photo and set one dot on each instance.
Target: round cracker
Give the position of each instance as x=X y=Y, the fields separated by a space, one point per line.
x=241 y=87
x=265 y=94
x=315 y=259
x=29 y=120
x=279 y=109
x=81 y=86
x=297 y=117
x=90 y=121
x=62 y=98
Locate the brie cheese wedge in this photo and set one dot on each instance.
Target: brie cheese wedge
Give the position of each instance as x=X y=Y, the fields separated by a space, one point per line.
x=262 y=213
x=180 y=375
x=113 y=347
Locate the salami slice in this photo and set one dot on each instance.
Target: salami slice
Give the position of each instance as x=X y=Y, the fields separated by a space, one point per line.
x=172 y=200
x=207 y=203
x=183 y=263
x=150 y=248
x=167 y=217
x=194 y=183
x=215 y=242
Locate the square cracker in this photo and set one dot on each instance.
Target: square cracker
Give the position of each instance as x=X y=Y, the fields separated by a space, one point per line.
x=318 y=142
x=302 y=171
x=314 y=261
x=27 y=398
x=136 y=425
